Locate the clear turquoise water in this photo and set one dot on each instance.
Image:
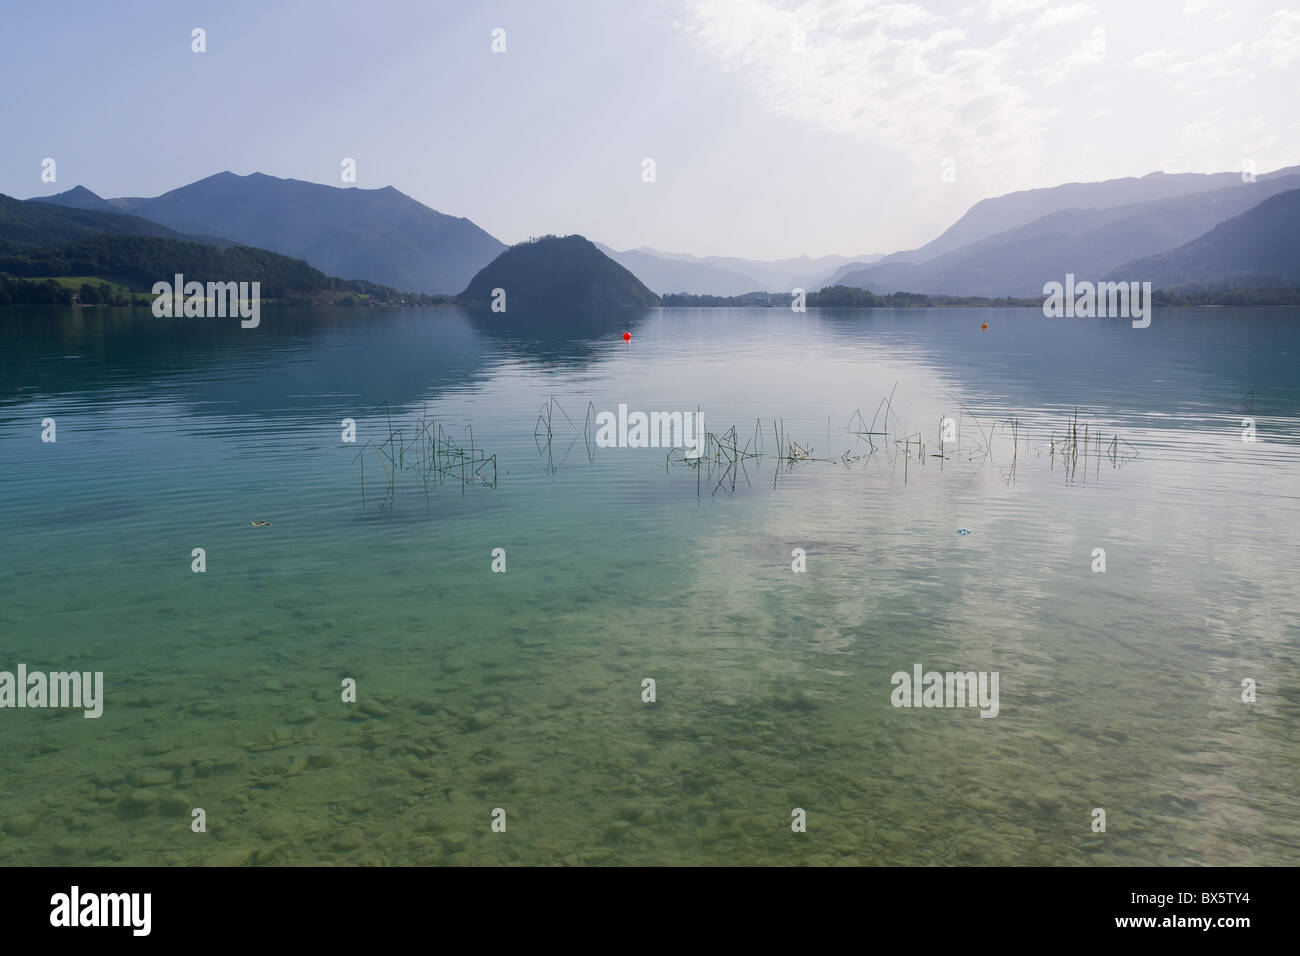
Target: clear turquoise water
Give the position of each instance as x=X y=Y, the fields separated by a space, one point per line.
x=522 y=690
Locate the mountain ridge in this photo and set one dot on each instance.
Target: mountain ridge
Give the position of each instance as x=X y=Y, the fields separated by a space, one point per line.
x=995 y=214
x=381 y=235
x=1258 y=248
x=1083 y=241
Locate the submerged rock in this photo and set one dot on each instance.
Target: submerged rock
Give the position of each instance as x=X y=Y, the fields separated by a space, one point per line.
x=236 y=856
x=280 y=826
x=150 y=777
x=21 y=825
x=349 y=838
x=67 y=846
x=138 y=801
x=175 y=805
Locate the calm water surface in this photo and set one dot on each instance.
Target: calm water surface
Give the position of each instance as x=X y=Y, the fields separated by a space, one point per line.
x=523 y=691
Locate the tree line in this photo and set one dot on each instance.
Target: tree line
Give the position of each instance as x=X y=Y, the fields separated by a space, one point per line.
x=137 y=262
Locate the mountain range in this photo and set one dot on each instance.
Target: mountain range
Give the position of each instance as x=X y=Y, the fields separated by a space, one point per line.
x=1002 y=246
x=988 y=217
x=41 y=243
x=1259 y=248
x=31 y=225
x=381 y=235
x=668 y=272
x=1084 y=241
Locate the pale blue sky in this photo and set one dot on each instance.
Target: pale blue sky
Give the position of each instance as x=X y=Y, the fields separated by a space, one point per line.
x=777 y=128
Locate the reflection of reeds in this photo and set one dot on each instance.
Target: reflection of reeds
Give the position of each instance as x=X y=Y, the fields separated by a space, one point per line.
x=432 y=454
x=1074 y=444
x=722 y=460
x=867 y=431
x=545 y=429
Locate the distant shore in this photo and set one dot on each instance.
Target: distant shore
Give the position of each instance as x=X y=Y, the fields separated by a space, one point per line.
x=98 y=293
x=846 y=297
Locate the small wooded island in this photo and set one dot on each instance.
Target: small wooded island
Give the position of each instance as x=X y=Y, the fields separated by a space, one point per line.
x=553 y=272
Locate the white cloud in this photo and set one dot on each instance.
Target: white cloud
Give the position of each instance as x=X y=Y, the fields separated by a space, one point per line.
x=1066 y=13
x=1089 y=52
x=885 y=73
x=1281 y=46
x=999 y=85
x=1154 y=59
x=1278 y=49
x=995 y=11
x=900 y=16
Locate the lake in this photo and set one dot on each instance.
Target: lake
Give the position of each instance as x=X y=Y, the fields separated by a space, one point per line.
x=525 y=690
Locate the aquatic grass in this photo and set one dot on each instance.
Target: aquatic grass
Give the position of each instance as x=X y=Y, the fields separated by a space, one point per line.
x=432 y=454
x=1118 y=451
x=544 y=432
x=724 y=460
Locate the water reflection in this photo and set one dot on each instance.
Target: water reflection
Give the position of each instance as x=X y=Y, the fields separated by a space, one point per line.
x=1120 y=689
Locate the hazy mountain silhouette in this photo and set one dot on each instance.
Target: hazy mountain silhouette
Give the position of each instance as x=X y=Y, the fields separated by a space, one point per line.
x=1259 y=248
x=31 y=224
x=665 y=275
x=79 y=197
x=553 y=273
x=668 y=272
x=1007 y=245
x=988 y=217
x=837 y=277
x=820 y=278
x=1087 y=242
x=40 y=240
x=381 y=235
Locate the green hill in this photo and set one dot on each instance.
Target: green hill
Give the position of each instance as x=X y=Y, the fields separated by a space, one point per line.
x=31 y=225
x=140 y=261
x=41 y=244
x=558 y=273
